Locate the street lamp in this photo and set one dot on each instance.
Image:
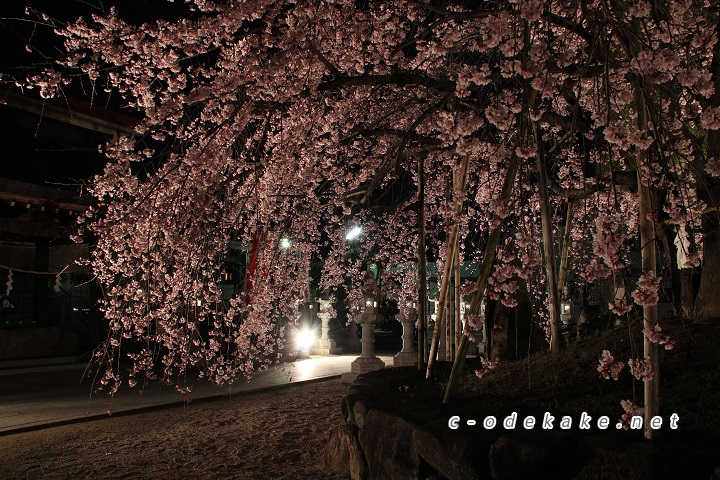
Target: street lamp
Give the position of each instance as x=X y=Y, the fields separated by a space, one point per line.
x=304 y=339
x=353 y=233
x=565 y=307
x=565 y=312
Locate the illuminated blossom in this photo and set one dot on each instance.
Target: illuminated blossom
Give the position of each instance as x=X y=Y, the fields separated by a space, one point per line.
x=655 y=335
x=609 y=367
x=487 y=365
x=631 y=410
x=646 y=294
x=641 y=368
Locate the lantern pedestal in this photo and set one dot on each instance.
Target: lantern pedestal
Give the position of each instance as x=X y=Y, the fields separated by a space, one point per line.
x=407 y=356
x=367 y=361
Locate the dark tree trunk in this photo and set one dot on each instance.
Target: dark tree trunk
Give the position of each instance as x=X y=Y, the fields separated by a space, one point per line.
x=707 y=303
x=512 y=338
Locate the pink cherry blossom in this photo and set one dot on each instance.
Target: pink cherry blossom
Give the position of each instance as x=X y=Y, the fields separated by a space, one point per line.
x=646 y=293
x=609 y=367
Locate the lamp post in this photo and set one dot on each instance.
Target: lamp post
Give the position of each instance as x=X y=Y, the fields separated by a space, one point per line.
x=407 y=317
x=367 y=361
x=304 y=334
x=566 y=314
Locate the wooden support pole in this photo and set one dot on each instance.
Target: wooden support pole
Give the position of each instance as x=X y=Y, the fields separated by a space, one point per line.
x=648 y=249
x=422 y=267
x=649 y=264
x=458 y=299
x=562 y=274
x=548 y=244
x=485 y=269
x=449 y=257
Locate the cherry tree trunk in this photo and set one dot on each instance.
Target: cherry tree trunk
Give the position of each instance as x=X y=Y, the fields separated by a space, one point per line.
x=707 y=303
x=548 y=245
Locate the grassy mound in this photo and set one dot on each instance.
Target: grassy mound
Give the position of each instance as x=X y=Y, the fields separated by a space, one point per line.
x=569 y=384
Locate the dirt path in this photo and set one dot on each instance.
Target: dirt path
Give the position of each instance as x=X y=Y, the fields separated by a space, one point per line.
x=277 y=434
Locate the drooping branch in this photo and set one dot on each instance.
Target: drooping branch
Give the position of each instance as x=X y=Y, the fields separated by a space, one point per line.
x=485 y=269
x=398 y=78
x=392 y=164
x=567 y=237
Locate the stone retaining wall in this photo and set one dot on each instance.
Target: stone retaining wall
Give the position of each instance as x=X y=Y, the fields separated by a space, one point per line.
x=380 y=440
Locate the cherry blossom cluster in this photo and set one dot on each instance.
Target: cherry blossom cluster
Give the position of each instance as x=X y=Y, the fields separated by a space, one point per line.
x=486 y=366
x=641 y=368
x=609 y=367
x=646 y=293
x=609 y=239
x=274 y=119
x=631 y=410
x=655 y=335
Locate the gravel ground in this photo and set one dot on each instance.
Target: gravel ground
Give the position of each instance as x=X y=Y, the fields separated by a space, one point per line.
x=276 y=434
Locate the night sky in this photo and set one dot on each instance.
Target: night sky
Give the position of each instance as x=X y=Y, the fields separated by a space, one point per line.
x=16 y=27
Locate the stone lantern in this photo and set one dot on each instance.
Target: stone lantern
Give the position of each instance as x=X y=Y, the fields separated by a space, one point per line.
x=407 y=317
x=367 y=361
x=325 y=345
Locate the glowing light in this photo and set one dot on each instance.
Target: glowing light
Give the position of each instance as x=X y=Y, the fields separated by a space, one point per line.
x=305 y=369
x=353 y=233
x=304 y=339
x=285 y=243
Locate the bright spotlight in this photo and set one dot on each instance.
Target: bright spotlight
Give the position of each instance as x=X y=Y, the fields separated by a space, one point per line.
x=285 y=243
x=353 y=233
x=304 y=339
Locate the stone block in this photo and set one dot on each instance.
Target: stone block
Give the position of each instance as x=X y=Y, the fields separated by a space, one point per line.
x=343 y=455
x=364 y=365
x=386 y=441
x=617 y=459
x=538 y=455
x=457 y=454
x=405 y=359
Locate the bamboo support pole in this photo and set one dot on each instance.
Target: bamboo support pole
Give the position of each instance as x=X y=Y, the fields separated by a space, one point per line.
x=485 y=269
x=422 y=266
x=562 y=274
x=449 y=257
